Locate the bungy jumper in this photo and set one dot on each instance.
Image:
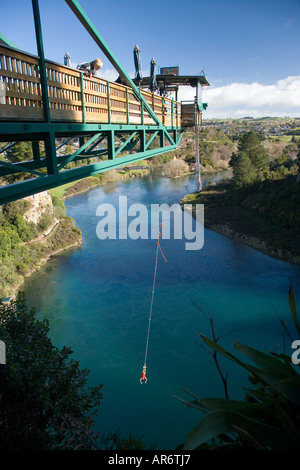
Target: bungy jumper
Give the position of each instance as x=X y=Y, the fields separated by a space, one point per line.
x=143 y=378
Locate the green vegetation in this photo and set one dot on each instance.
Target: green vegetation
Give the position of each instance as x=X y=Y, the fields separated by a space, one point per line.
x=268 y=417
x=260 y=204
x=215 y=149
x=20 y=253
x=251 y=161
x=25 y=245
x=45 y=402
x=176 y=168
x=40 y=385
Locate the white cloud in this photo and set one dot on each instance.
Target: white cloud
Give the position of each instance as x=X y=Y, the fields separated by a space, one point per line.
x=108 y=74
x=255 y=99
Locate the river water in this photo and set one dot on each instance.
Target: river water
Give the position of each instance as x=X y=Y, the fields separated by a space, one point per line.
x=97 y=299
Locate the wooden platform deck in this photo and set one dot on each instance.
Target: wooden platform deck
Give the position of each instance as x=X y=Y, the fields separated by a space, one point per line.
x=73 y=97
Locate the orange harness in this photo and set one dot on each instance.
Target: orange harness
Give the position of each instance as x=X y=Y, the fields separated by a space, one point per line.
x=143 y=376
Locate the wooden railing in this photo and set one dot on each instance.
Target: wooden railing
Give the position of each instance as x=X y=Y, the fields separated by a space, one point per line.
x=73 y=97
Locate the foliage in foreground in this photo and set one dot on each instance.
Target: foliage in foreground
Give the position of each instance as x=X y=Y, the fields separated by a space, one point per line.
x=268 y=418
x=40 y=385
x=45 y=403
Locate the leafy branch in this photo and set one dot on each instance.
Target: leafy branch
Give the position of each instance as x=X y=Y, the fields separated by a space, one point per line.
x=268 y=417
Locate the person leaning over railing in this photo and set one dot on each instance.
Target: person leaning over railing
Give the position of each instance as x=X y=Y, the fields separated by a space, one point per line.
x=90 y=68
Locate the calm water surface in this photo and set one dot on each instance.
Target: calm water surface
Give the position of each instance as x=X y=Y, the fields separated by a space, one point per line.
x=97 y=299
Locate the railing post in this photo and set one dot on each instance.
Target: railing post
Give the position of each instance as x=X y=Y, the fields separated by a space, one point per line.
x=108 y=103
x=142 y=113
x=127 y=105
x=82 y=97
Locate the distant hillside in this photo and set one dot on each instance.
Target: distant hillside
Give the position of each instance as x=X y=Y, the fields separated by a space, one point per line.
x=215 y=149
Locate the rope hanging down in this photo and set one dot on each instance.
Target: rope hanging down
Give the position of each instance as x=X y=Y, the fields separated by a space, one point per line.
x=143 y=376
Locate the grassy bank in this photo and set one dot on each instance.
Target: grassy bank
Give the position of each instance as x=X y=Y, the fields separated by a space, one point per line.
x=110 y=176
x=264 y=215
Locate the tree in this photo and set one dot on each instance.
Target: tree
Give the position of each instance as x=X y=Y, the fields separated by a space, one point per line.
x=176 y=168
x=40 y=385
x=243 y=170
x=251 y=145
x=9 y=238
x=233 y=159
x=19 y=152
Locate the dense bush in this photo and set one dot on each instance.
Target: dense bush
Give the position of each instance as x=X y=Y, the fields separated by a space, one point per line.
x=176 y=168
x=18 y=254
x=40 y=385
x=268 y=417
x=252 y=163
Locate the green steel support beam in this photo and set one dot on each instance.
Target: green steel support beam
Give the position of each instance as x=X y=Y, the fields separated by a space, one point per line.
x=6 y=147
x=26 y=188
x=37 y=130
x=44 y=182
x=50 y=149
x=111 y=145
x=162 y=138
x=82 y=97
x=36 y=151
x=119 y=149
x=142 y=140
x=83 y=147
x=89 y=150
x=81 y=141
x=46 y=170
x=50 y=139
x=20 y=168
x=64 y=143
x=87 y=23
x=169 y=138
x=41 y=164
x=42 y=66
x=151 y=139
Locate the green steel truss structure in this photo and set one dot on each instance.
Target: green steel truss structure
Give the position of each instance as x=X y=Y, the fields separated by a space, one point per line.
x=107 y=145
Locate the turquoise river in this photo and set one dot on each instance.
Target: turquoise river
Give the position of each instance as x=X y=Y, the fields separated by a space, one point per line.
x=97 y=299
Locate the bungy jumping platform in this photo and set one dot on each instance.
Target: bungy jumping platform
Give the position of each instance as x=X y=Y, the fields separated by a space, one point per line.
x=50 y=105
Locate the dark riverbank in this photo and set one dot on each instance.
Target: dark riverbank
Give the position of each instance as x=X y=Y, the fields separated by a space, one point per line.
x=265 y=216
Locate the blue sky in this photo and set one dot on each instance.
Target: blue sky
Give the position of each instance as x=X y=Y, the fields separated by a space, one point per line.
x=248 y=49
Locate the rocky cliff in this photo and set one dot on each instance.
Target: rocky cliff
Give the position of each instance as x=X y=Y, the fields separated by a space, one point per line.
x=38 y=204
x=32 y=230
